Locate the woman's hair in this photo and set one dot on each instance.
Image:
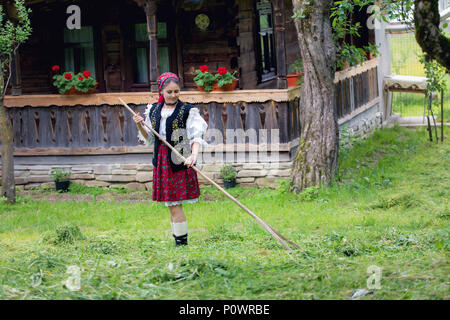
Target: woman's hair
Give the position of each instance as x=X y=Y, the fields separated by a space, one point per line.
x=170 y=80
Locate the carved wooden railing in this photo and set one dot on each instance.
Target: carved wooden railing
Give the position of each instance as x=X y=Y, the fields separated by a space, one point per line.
x=356 y=88
x=98 y=124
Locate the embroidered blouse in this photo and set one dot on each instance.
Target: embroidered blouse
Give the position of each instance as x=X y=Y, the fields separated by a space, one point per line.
x=195 y=126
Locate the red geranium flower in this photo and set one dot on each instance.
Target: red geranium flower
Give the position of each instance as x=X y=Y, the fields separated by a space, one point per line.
x=204 y=68
x=86 y=74
x=80 y=78
x=68 y=76
x=222 y=71
x=55 y=68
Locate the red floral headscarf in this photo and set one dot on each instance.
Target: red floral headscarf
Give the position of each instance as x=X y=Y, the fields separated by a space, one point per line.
x=160 y=83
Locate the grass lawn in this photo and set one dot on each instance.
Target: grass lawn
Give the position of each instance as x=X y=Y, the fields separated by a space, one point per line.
x=389 y=208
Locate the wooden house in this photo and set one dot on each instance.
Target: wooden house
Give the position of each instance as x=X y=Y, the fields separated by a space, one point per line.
x=126 y=44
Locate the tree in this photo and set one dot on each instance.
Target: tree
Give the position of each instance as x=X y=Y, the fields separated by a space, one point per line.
x=315 y=162
x=15 y=28
x=316 y=158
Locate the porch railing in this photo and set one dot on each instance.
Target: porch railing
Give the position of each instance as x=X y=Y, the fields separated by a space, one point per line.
x=98 y=124
x=356 y=88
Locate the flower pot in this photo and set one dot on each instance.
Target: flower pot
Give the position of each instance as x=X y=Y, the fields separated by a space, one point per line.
x=292 y=79
x=225 y=87
x=62 y=186
x=201 y=89
x=75 y=91
x=229 y=184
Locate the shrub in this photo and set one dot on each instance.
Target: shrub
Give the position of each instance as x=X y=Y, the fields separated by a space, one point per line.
x=228 y=173
x=59 y=175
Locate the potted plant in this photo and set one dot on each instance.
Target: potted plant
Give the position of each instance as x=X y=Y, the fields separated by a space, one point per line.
x=61 y=178
x=70 y=83
x=294 y=79
x=228 y=174
x=204 y=79
x=226 y=81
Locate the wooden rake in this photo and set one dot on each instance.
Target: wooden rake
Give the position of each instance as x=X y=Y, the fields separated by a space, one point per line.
x=278 y=236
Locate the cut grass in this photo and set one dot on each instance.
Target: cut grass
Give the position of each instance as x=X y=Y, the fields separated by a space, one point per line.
x=389 y=208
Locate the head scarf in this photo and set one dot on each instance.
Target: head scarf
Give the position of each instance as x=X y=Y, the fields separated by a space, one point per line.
x=160 y=83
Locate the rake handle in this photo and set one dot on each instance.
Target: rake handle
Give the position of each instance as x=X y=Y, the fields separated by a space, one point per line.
x=273 y=232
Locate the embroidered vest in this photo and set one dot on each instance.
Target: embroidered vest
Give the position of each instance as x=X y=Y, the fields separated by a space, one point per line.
x=177 y=120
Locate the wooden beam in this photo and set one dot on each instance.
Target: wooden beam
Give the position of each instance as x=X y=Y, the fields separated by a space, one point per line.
x=101 y=99
x=279 y=22
x=234 y=147
x=79 y=151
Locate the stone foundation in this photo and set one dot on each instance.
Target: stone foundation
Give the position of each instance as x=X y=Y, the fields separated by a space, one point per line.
x=140 y=176
x=364 y=123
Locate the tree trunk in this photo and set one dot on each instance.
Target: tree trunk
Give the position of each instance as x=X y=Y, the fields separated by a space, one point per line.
x=428 y=35
x=6 y=135
x=316 y=158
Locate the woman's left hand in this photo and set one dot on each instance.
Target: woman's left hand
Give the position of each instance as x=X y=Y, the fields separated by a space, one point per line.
x=190 y=161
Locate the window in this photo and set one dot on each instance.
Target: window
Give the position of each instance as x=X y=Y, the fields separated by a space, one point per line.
x=79 y=50
x=265 y=40
x=141 y=58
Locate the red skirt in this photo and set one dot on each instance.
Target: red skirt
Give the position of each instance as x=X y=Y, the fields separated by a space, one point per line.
x=173 y=186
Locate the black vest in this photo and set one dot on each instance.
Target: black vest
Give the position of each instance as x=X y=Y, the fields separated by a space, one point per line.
x=177 y=120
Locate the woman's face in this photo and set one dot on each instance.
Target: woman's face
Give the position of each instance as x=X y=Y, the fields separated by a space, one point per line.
x=171 y=92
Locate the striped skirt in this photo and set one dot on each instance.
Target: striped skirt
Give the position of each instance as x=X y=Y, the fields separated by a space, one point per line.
x=171 y=186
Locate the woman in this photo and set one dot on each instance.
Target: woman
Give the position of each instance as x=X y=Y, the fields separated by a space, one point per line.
x=174 y=182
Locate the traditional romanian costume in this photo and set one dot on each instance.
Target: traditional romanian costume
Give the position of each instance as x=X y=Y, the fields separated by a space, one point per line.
x=173 y=182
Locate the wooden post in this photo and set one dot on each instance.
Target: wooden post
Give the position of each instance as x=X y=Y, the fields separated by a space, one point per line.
x=152 y=26
x=16 y=77
x=278 y=12
x=248 y=77
x=149 y=7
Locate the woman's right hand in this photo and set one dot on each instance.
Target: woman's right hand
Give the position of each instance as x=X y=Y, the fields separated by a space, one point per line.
x=137 y=118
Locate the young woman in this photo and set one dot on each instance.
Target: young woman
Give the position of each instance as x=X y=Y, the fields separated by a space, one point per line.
x=180 y=124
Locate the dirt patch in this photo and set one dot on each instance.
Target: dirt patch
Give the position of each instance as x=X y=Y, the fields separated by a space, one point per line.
x=121 y=197
x=42 y=195
x=52 y=196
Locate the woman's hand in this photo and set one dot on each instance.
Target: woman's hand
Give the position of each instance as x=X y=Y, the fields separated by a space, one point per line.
x=137 y=118
x=190 y=161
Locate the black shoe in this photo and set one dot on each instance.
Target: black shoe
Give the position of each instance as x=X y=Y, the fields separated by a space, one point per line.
x=181 y=240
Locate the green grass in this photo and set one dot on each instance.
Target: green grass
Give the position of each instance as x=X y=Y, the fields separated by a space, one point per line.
x=388 y=208
x=405 y=61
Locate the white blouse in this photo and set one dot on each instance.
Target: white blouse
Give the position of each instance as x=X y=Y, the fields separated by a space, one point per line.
x=195 y=126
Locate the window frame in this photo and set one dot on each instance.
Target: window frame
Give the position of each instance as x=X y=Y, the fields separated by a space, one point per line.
x=162 y=42
x=77 y=54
